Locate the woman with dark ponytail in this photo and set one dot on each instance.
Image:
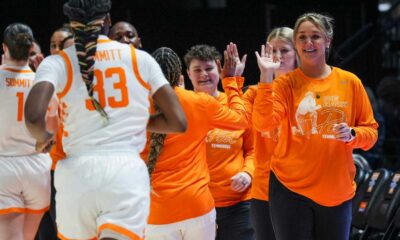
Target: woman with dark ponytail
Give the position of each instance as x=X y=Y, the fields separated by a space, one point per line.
x=24 y=174
x=182 y=206
x=104 y=88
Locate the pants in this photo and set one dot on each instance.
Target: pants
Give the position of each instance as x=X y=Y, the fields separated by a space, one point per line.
x=297 y=217
x=233 y=222
x=261 y=220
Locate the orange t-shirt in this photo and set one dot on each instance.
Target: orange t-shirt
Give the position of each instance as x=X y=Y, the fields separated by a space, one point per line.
x=180 y=179
x=228 y=153
x=264 y=144
x=307 y=158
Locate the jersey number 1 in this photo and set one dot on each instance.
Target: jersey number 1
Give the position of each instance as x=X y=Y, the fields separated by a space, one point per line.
x=20 y=114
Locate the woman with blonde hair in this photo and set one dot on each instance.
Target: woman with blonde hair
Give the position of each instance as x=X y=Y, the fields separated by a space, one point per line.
x=312 y=169
x=281 y=40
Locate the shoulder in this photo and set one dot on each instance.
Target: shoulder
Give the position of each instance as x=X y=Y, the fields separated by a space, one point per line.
x=53 y=62
x=141 y=54
x=345 y=73
x=347 y=76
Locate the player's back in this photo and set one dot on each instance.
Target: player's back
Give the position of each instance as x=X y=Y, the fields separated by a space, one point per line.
x=15 y=83
x=123 y=79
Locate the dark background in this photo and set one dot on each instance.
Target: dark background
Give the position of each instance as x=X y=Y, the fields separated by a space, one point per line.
x=180 y=24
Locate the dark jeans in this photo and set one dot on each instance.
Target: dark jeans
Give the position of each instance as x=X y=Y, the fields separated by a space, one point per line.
x=233 y=222
x=47 y=228
x=261 y=220
x=297 y=217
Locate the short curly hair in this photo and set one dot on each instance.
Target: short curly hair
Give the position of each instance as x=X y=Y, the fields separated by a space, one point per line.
x=201 y=52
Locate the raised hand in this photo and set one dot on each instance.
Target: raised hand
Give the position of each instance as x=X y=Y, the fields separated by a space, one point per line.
x=229 y=68
x=240 y=64
x=266 y=63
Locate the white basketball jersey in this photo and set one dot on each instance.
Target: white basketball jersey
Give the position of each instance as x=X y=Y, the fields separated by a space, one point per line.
x=15 y=83
x=124 y=78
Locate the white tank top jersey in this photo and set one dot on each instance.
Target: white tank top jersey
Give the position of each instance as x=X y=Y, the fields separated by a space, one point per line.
x=15 y=83
x=124 y=79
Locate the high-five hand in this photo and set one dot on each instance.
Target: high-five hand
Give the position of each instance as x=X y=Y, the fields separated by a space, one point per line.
x=240 y=64
x=266 y=63
x=229 y=68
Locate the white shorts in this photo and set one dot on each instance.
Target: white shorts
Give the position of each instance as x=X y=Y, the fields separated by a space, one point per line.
x=199 y=228
x=25 y=184
x=102 y=194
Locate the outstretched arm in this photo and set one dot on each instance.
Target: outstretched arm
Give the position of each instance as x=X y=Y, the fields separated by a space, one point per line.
x=171 y=118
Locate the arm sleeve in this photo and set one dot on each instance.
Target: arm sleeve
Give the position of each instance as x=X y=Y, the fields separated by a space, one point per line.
x=269 y=106
x=365 y=126
x=232 y=118
x=150 y=71
x=248 y=98
x=248 y=151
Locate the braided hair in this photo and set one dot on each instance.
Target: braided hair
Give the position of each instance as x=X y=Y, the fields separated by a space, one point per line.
x=87 y=21
x=172 y=68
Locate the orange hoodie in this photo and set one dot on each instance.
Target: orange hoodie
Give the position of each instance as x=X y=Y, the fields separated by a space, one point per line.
x=307 y=160
x=180 y=178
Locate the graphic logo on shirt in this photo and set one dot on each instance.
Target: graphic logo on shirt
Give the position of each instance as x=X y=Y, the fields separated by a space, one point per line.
x=272 y=134
x=306 y=116
x=312 y=118
x=221 y=138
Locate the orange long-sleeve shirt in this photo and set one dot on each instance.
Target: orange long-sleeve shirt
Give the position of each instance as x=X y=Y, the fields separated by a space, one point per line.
x=228 y=153
x=264 y=144
x=307 y=158
x=180 y=178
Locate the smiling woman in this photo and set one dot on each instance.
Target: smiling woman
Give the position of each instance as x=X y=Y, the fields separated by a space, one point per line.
x=312 y=174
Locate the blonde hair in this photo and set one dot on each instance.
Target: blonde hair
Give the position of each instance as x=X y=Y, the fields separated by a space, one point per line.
x=284 y=33
x=323 y=22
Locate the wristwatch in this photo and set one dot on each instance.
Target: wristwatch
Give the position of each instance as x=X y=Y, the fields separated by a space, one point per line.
x=353 y=132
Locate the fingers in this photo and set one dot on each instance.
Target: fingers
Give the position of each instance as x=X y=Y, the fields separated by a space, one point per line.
x=45 y=147
x=268 y=50
x=48 y=147
x=240 y=182
x=244 y=58
x=257 y=55
x=263 y=52
x=342 y=132
x=219 y=65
